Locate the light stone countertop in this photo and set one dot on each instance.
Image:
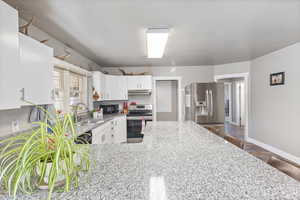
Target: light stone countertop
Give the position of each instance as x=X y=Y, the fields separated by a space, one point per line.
x=178 y=161
x=97 y=122
x=80 y=129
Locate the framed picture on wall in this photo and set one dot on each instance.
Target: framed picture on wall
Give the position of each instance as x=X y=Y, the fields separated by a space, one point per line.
x=277 y=79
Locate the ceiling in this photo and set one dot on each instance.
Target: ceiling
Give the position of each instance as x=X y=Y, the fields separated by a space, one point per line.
x=203 y=32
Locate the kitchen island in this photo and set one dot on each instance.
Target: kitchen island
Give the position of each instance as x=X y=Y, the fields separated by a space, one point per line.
x=178 y=161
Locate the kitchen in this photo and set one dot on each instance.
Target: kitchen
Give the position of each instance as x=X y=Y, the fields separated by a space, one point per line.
x=120 y=123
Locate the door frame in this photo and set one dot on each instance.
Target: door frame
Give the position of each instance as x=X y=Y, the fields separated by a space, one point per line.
x=247 y=94
x=179 y=94
x=229 y=118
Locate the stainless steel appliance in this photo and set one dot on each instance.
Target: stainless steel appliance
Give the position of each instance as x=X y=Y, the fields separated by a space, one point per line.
x=110 y=108
x=137 y=118
x=139 y=92
x=204 y=103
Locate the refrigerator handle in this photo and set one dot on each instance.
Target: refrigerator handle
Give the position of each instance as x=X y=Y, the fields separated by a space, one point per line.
x=207 y=101
x=211 y=103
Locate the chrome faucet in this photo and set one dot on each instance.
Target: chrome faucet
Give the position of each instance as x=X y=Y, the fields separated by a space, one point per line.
x=76 y=110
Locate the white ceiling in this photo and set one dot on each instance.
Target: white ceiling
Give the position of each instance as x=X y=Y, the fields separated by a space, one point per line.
x=203 y=32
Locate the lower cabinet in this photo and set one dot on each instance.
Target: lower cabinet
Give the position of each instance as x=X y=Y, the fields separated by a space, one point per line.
x=111 y=132
x=120 y=129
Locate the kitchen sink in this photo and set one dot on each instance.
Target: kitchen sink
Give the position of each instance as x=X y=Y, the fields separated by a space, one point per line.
x=89 y=122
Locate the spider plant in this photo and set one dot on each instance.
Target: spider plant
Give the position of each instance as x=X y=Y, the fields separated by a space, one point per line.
x=45 y=154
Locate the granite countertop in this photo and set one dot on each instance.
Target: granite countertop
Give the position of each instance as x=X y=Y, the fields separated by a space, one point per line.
x=81 y=129
x=97 y=122
x=178 y=161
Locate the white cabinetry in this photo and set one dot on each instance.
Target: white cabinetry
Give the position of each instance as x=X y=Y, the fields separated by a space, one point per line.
x=100 y=134
x=99 y=84
x=9 y=58
x=139 y=82
x=120 y=129
x=121 y=89
x=111 y=132
x=37 y=70
x=110 y=87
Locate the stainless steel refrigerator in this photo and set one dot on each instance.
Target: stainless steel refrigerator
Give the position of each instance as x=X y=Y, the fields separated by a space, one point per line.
x=204 y=103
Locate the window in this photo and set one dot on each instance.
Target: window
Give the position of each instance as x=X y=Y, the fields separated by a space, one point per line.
x=58 y=90
x=69 y=90
x=77 y=90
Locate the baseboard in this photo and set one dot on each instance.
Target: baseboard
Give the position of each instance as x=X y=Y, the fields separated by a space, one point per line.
x=234 y=123
x=279 y=152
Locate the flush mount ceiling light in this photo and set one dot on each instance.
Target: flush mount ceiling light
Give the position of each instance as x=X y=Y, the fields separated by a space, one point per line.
x=156 y=41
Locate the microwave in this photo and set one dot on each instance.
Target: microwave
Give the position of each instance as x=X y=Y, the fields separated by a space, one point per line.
x=110 y=108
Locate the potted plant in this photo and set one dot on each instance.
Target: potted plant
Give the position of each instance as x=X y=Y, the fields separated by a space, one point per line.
x=43 y=158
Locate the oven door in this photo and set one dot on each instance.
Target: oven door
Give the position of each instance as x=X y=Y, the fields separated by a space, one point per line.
x=134 y=128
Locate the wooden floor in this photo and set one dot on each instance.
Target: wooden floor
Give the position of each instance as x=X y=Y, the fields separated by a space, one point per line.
x=263 y=154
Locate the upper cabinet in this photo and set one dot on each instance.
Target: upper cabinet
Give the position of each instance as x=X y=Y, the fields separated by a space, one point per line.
x=37 y=70
x=99 y=85
x=109 y=87
x=139 y=82
x=9 y=58
x=121 y=88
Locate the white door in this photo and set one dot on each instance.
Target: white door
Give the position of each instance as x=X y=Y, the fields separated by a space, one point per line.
x=10 y=83
x=37 y=70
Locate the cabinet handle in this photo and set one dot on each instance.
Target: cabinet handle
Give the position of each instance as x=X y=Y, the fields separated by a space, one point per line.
x=52 y=94
x=22 y=94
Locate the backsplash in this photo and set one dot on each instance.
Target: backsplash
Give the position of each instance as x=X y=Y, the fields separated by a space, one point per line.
x=7 y=116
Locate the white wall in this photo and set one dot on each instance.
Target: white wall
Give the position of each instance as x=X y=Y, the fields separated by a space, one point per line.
x=7 y=116
x=232 y=68
x=59 y=46
x=275 y=111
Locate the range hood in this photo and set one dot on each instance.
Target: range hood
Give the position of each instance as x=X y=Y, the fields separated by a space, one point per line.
x=139 y=92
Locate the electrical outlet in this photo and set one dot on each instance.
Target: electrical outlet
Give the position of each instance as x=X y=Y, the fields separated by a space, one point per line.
x=15 y=126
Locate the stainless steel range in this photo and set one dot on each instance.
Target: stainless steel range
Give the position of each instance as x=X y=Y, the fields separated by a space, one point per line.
x=137 y=118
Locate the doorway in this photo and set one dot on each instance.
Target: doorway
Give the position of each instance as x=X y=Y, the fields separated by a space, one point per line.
x=236 y=104
x=166 y=93
x=167 y=99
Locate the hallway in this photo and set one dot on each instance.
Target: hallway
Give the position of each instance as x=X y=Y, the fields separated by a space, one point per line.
x=229 y=129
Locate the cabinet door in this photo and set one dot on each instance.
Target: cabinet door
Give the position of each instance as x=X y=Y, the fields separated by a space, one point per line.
x=120 y=130
x=10 y=75
x=96 y=136
x=111 y=132
x=121 y=89
x=133 y=82
x=110 y=87
x=146 y=82
x=37 y=71
x=98 y=84
x=139 y=82
x=99 y=134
